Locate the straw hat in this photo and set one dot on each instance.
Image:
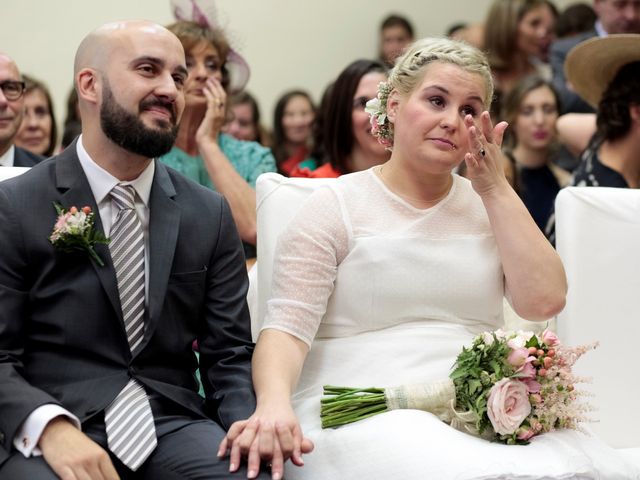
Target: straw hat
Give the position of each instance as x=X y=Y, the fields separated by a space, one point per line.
x=592 y=65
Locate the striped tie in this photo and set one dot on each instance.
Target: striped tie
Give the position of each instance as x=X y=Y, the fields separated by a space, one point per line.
x=131 y=433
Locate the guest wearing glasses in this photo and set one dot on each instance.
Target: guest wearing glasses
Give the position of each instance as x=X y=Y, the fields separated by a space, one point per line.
x=11 y=112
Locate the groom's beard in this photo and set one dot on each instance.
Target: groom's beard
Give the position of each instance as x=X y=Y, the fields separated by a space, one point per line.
x=129 y=132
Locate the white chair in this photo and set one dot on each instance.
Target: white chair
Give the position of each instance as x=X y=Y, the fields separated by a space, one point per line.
x=278 y=199
x=8 y=172
x=598 y=239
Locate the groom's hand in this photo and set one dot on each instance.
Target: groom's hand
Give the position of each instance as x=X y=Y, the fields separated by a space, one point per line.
x=273 y=438
x=72 y=455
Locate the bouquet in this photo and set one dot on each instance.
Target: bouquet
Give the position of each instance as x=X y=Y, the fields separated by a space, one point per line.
x=506 y=387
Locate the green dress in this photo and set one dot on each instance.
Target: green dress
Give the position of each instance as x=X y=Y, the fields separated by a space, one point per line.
x=249 y=159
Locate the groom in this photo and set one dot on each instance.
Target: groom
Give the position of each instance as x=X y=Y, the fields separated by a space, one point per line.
x=96 y=366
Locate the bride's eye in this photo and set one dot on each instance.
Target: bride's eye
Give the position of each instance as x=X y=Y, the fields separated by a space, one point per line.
x=437 y=101
x=469 y=110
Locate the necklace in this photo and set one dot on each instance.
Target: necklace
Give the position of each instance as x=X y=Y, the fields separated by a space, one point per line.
x=416 y=202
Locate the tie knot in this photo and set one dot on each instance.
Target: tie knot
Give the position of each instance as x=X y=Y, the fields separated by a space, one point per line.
x=123 y=196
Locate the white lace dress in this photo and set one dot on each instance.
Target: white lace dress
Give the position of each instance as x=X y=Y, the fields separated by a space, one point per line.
x=387 y=294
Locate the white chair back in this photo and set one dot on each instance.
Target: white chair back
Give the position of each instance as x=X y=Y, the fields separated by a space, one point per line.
x=278 y=199
x=9 y=172
x=598 y=239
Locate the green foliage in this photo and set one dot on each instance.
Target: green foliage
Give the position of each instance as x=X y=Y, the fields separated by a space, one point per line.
x=475 y=371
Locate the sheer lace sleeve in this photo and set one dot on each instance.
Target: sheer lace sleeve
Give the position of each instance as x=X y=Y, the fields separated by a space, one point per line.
x=305 y=264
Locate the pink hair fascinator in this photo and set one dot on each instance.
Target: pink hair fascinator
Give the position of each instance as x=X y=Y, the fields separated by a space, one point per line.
x=204 y=12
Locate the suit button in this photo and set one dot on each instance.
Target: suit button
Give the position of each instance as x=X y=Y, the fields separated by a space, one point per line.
x=1 y=437
x=133 y=371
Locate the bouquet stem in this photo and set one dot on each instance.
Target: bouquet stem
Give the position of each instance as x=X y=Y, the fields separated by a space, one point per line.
x=344 y=405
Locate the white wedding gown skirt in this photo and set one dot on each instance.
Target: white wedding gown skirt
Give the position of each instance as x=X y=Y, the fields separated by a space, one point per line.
x=411 y=444
x=411 y=288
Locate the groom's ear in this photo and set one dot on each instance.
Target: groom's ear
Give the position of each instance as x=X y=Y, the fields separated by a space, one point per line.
x=87 y=85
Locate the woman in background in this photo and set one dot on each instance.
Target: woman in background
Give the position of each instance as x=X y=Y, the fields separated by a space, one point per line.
x=38 y=132
x=348 y=145
x=531 y=109
x=244 y=121
x=518 y=34
x=292 y=139
x=202 y=152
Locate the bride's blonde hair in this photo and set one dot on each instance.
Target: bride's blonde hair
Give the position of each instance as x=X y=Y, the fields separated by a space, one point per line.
x=408 y=72
x=409 y=68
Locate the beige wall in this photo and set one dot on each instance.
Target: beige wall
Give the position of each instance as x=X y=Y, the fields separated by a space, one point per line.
x=288 y=43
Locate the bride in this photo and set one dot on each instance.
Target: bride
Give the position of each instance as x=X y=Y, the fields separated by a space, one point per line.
x=382 y=278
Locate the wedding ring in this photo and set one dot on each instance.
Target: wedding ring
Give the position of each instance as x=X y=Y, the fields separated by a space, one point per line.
x=482 y=152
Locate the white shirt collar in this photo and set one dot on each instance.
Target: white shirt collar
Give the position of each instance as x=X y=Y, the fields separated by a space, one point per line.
x=8 y=158
x=102 y=182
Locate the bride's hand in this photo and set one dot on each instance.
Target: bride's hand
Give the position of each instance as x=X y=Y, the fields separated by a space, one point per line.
x=272 y=435
x=485 y=160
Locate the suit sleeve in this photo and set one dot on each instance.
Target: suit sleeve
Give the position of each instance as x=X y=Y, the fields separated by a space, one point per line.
x=17 y=397
x=225 y=343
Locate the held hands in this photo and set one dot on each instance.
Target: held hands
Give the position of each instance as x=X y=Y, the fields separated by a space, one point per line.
x=72 y=455
x=270 y=434
x=485 y=161
x=214 y=116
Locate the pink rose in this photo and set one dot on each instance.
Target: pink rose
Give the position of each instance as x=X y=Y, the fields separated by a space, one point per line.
x=508 y=405
x=550 y=338
x=375 y=128
x=518 y=357
x=527 y=370
x=532 y=385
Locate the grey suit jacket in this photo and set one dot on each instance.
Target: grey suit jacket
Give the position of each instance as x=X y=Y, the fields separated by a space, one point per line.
x=62 y=337
x=24 y=158
x=571 y=101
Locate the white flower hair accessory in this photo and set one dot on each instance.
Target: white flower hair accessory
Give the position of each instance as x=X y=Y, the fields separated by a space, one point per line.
x=377 y=109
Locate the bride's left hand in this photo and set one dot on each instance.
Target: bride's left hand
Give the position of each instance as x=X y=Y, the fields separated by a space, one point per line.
x=485 y=160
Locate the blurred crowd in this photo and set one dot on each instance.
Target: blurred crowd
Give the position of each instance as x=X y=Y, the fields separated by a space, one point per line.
x=223 y=144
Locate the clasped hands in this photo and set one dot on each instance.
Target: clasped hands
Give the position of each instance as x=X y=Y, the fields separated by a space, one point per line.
x=265 y=436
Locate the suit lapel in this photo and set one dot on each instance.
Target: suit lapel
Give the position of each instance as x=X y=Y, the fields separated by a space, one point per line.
x=164 y=223
x=75 y=191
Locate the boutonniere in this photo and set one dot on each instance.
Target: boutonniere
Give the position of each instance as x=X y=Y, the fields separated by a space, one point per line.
x=74 y=230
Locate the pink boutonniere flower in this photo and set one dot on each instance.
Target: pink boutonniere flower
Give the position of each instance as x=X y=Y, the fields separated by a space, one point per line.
x=74 y=230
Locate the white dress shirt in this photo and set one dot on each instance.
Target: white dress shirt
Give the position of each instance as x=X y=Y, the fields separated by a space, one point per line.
x=101 y=183
x=6 y=159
